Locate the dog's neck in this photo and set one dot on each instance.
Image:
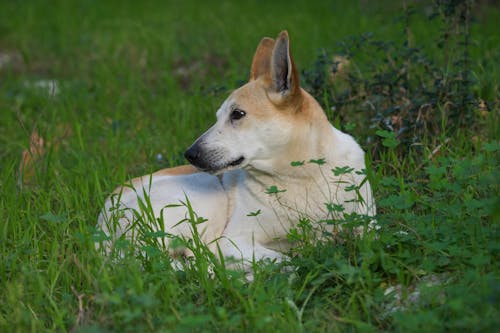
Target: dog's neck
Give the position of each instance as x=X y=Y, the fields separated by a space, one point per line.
x=299 y=179
x=308 y=147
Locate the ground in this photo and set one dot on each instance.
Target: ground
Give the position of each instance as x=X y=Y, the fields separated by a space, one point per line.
x=94 y=93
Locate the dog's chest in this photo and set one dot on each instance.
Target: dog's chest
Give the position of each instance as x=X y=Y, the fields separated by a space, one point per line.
x=267 y=210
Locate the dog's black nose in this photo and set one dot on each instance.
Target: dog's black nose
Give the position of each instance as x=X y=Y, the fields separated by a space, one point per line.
x=193 y=154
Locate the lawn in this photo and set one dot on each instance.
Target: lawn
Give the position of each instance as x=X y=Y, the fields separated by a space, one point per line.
x=93 y=93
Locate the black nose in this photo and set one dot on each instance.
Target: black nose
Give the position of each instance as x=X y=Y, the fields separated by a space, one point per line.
x=193 y=153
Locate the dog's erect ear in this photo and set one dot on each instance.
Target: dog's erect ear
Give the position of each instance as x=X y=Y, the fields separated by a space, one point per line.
x=284 y=75
x=261 y=63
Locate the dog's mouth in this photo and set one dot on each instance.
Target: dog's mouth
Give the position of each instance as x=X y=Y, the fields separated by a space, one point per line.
x=237 y=161
x=217 y=169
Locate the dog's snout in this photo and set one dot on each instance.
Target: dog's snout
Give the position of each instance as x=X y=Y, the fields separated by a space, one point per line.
x=193 y=154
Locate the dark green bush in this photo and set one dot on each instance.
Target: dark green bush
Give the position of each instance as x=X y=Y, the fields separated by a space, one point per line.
x=412 y=94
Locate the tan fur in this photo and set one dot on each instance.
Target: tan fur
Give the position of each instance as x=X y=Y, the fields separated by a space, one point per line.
x=186 y=169
x=261 y=62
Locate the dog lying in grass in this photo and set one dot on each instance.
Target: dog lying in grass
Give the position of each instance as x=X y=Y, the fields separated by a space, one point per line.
x=271 y=159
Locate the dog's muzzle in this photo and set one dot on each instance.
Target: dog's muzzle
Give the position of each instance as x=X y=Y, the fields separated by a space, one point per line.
x=209 y=161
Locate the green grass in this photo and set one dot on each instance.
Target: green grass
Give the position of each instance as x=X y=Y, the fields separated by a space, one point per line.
x=138 y=80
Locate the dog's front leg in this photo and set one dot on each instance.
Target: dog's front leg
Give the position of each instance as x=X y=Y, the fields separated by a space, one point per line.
x=242 y=252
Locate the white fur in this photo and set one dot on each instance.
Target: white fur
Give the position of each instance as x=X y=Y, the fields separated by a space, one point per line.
x=204 y=192
x=227 y=204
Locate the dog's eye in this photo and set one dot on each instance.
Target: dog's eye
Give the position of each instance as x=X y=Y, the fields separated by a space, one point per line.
x=237 y=114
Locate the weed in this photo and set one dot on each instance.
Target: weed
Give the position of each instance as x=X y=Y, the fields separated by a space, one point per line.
x=412 y=98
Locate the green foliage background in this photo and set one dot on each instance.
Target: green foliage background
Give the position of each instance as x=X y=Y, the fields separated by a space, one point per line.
x=138 y=82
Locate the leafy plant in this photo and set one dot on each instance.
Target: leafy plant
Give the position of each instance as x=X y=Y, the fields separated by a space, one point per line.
x=411 y=97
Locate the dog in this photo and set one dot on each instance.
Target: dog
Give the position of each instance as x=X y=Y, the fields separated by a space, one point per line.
x=271 y=159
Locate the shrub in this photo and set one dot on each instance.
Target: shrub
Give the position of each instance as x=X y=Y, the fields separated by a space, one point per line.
x=411 y=94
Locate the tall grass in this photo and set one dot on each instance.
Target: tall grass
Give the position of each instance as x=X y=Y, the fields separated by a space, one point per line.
x=139 y=82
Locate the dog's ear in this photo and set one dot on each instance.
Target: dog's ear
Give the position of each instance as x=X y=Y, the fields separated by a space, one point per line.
x=261 y=63
x=284 y=75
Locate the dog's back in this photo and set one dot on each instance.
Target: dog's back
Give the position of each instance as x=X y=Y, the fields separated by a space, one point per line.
x=159 y=202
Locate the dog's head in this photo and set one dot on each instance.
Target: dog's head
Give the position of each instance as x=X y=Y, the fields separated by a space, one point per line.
x=256 y=123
